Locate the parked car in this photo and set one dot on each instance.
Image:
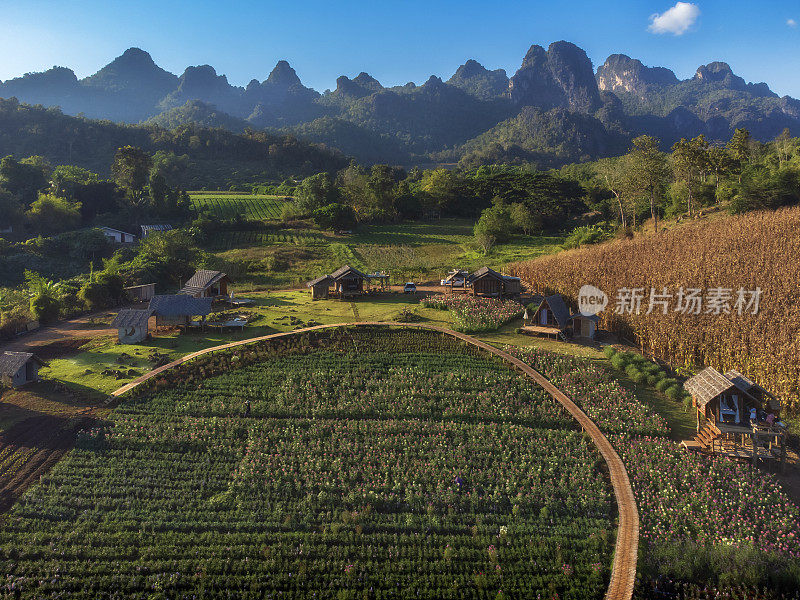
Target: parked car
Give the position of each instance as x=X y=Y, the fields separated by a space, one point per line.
x=410 y=288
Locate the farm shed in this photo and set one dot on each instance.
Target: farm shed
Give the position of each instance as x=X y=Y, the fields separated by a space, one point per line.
x=206 y=284
x=132 y=325
x=488 y=282
x=583 y=327
x=19 y=368
x=348 y=281
x=148 y=229
x=177 y=310
x=143 y=293
x=735 y=417
x=117 y=236
x=320 y=287
x=551 y=317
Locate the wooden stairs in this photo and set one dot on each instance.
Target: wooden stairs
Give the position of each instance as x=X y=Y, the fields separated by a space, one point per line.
x=703 y=440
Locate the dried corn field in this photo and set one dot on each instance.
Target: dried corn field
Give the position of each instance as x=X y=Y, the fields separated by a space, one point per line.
x=757 y=250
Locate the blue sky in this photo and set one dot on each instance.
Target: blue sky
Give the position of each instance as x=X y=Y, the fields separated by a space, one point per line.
x=399 y=41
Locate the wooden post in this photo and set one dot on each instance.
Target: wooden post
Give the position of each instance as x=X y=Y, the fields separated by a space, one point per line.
x=754 y=437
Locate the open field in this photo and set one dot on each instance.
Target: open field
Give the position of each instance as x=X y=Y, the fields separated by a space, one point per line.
x=424 y=486
x=419 y=251
x=230 y=206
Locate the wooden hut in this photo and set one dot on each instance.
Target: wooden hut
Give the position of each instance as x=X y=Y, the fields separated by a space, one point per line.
x=550 y=318
x=179 y=310
x=491 y=284
x=132 y=325
x=320 y=287
x=583 y=327
x=206 y=284
x=348 y=281
x=19 y=368
x=735 y=417
x=143 y=293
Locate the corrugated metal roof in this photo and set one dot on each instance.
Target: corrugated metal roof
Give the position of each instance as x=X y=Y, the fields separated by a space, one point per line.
x=202 y=280
x=347 y=270
x=11 y=362
x=180 y=305
x=319 y=280
x=130 y=317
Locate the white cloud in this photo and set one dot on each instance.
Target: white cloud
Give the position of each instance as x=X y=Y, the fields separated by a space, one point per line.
x=791 y=23
x=675 y=20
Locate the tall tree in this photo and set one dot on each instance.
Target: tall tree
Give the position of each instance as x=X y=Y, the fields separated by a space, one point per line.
x=740 y=148
x=615 y=172
x=648 y=172
x=131 y=171
x=690 y=160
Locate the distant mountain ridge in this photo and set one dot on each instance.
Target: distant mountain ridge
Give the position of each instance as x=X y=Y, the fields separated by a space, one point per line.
x=556 y=107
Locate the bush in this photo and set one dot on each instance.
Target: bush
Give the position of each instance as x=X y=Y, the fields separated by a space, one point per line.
x=673 y=392
x=635 y=374
x=619 y=361
x=335 y=216
x=609 y=351
x=665 y=383
x=652 y=380
x=687 y=403
x=45 y=309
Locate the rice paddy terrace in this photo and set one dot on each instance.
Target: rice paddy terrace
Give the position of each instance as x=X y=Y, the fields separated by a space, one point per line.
x=347 y=463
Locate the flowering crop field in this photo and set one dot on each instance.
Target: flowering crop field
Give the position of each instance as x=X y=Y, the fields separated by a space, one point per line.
x=710 y=527
x=473 y=314
x=358 y=473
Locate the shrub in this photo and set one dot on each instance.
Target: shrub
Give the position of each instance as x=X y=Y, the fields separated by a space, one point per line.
x=45 y=309
x=673 y=392
x=665 y=383
x=618 y=361
x=652 y=380
x=635 y=374
x=609 y=351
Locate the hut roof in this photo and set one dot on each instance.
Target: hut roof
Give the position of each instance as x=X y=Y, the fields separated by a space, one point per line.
x=485 y=272
x=342 y=272
x=131 y=317
x=559 y=309
x=202 y=280
x=11 y=362
x=594 y=318
x=748 y=386
x=707 y=384
x=319 y=280
x=180 y=306
x=148 y=228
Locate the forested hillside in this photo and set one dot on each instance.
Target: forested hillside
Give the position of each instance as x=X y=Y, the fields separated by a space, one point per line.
x=216 y=155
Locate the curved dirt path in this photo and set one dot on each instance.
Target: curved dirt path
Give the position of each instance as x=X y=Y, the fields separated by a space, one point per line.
x=623 y=572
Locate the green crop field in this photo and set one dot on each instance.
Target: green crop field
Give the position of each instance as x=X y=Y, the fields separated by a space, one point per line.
x=249 y=207
x=361 y=470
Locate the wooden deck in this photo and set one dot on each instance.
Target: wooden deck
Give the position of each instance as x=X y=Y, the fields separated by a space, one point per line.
x=623 y=571
x=541 y=330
